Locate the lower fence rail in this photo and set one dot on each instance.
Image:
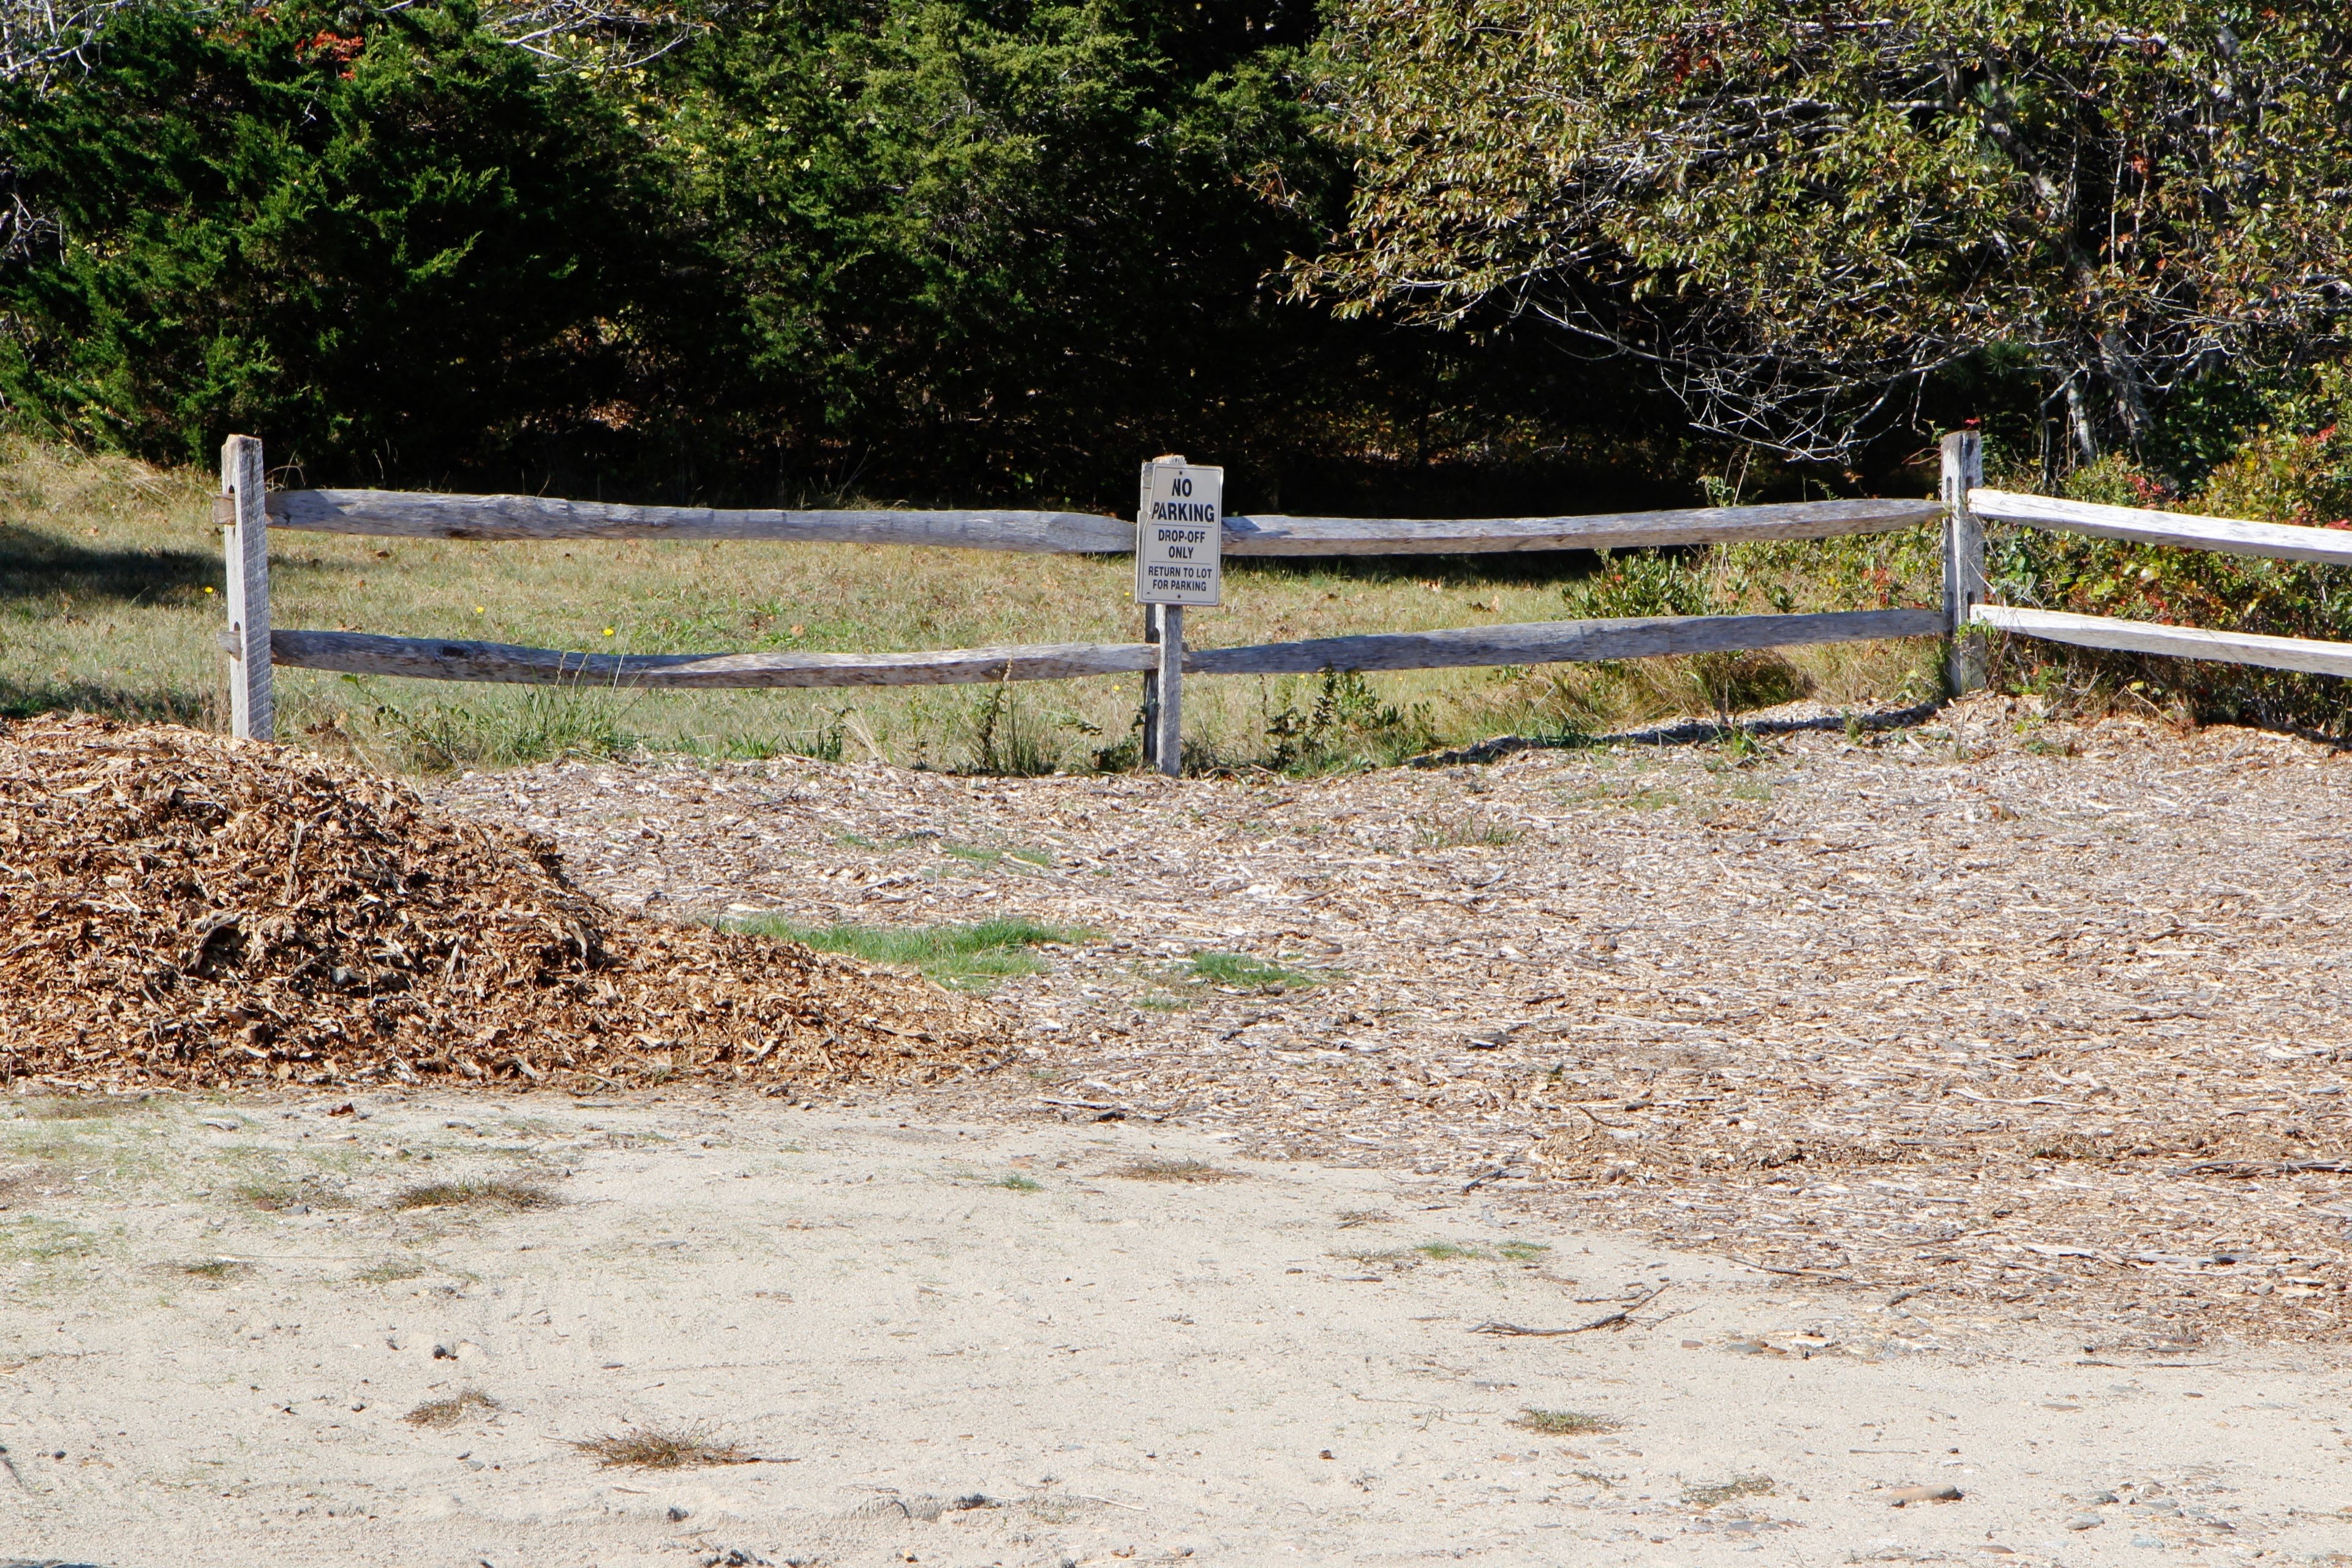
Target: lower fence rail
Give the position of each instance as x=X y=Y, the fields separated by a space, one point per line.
x=1540 y=642
x=2305 y=654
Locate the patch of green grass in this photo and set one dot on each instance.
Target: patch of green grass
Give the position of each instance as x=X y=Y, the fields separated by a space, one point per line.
x=216 y=1270
x=542 y=724
x=1464 y=833
x=508 y=1195
x=1449 y=1251
x=983 y=856
x=1643 y=797
x=33 y=1238
x=444 y=1414
x=391 y=1270
x=1453 y=1252
x=274 y=1196
x=1717 y=1492
x=1244 y=973
x=965 y=957
x=1565 y=1423
x=85 y=1108
x=1017 y=1182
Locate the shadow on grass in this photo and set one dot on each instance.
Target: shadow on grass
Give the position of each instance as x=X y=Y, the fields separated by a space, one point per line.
x=34 y=564
x=1684 y=733
x=166 y=705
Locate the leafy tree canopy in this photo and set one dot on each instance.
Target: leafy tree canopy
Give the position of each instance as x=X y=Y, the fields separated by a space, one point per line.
x=1798 y=214
x=385 y=244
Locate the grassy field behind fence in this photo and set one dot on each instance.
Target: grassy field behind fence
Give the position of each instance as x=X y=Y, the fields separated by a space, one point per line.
x=105 y=564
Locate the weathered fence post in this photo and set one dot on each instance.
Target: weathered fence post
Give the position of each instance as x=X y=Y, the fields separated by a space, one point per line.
x=1170 y=718
x=246 y=540
x=1964 y=569
x=1151 y=691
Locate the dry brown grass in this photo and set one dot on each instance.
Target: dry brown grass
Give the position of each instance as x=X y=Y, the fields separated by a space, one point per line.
x=275 y=1196
x=1714 y=1494
x=444 y=1414
x=659 y=1449
x=510 y=1196
x=1175 y=1170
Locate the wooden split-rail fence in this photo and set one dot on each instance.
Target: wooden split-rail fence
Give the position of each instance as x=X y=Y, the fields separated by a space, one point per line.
x=248 y=509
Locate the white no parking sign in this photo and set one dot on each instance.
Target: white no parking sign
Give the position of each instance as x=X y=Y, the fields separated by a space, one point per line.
x=1178 y=530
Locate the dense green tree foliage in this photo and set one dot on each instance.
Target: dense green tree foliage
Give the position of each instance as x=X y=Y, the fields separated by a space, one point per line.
x=380 y=246
x=1798 y=213
x=998 y=249
x=1005 y=239
x=899 y=247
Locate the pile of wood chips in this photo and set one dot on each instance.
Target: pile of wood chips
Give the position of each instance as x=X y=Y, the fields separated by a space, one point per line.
x=179 y=909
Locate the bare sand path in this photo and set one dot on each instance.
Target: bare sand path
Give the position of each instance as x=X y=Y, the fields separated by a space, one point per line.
x=1040 y=1344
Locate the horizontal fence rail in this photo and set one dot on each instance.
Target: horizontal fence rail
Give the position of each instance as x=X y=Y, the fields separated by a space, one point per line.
x=2227 y=535
x=2305 y=654
x=402 y=514
x=431 y=658
x=1541 y=642
x=1560 y=642
x=1608 y=531
x=246 y=509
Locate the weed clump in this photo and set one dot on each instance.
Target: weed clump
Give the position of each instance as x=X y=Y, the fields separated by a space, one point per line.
x=444 y=1414
x=1175 y=1170
x=1565 y=1423
x=508 y=1195
x=276 y=1198
x=1718 y=1492
x=655 y=1448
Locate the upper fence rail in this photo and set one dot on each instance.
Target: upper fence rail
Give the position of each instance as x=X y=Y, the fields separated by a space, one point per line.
x=2231 y=536
x=408 y=514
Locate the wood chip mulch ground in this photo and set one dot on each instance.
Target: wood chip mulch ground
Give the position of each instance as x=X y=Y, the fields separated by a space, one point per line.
x=177 y=908
x=1996 y=1012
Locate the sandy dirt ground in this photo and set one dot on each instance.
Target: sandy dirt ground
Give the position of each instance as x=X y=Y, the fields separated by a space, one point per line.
x=1656 y=1153
x=978 y=1342
x=2029 y=1014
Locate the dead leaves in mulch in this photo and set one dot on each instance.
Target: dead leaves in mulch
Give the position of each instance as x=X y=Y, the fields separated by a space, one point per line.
x=179 y=909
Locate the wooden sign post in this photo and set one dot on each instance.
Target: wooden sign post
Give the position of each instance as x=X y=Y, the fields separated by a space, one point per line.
x=1179 y=555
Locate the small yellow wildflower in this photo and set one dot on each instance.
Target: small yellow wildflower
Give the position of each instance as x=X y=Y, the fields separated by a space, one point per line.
x=209 y=588
x=608 y=631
